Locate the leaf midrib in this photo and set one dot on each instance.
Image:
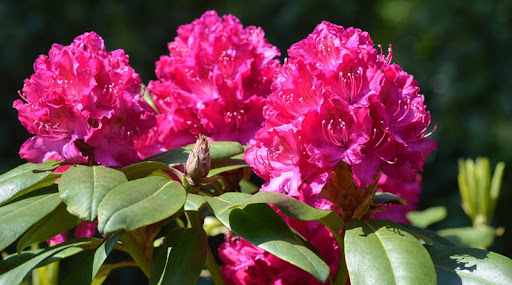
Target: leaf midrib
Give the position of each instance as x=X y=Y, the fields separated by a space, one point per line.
x=23 y=207
x=135 y=204
x=385 y=250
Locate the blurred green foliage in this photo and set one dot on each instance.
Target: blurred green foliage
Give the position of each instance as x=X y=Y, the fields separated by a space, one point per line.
x=459 y=51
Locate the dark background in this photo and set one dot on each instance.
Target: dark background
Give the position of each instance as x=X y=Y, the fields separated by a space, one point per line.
x=459 y=51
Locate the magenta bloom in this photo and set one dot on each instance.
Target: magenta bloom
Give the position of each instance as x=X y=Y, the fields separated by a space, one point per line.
x=410 y=191
x=335 y=99
x=83 y=102
x=247 y=264
x=214 y=82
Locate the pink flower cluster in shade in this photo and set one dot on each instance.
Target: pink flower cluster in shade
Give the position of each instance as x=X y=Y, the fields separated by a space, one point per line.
x=214 y=82
x=247 y=264
x=84 y=229
x=83 y=100
x=335 y=99
x=410 y=191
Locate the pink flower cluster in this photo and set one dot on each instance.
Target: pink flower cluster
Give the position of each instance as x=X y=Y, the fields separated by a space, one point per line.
x=84 y=229
x=410 y=191
x=337 y=99
x=247 y=264
x=83 y=102
x=214 y=82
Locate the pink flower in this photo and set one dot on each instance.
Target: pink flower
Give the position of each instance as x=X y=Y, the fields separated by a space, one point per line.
x=214 y=82
x=83 y=103
x=84 y=229
x=248 y=264
x=410 y=191
x=58 y=239
x=336 y=99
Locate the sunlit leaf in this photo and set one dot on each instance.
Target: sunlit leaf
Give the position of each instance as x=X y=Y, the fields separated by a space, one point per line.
x=19 y=180
x=381 y=252
x=83 y=187
x=458 y=265
x=469 y=236
x=427 y=217
x=426 y=236
x=142 y=169
x=17 y=217
x=139 y=203
x=194 y=202
x=260 y=225
x=218 y=150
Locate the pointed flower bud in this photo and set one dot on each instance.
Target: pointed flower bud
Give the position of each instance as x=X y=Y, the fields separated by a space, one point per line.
x=199 y=161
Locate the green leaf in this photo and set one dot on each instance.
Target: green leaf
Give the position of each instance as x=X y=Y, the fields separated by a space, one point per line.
x=19 y=180
x=218 y=150
x=260 y=225
x=248 y=187
x=219 y=166
x=425 y=236
x=143 y=169
x=181 y=259
x=139 y=203
x=293 y=208
x=470 y=236
x=17 y=217
x=90 y=265
x=384 y=197
x=427 y=217
x=51 y=225
x=194 y=202
x=456 y=265
x=16 y=275
x=83 y=187
x=381 y=252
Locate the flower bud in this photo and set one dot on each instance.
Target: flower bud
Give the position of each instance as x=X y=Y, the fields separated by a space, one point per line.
x=199 y=161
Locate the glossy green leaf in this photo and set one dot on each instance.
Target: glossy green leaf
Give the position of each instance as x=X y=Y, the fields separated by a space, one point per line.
x=218 y=150
x=17 y=181
x=425 y=236
x=194 y=202
x=427 y=217
x=16 y=275
x=83 y=187
x=90 y=265
x=381 y=252
x=181 y=259
x=142 y=169
x=260 y=225
x=58 y=221
x=457 y=265
x=384 y=197
x=248 y=187
x=139 y=203
x=17 y=217
x=469 y=236
x=293 y=208
x=219 y=166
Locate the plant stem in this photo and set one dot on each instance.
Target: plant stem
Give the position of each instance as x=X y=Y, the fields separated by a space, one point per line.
x=136 y=252
x=194 y=220
x=212 y=266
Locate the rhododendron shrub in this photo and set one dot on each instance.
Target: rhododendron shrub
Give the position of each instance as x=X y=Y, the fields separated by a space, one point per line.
x=214 y=82
x=337 y=134
x=83 y=104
